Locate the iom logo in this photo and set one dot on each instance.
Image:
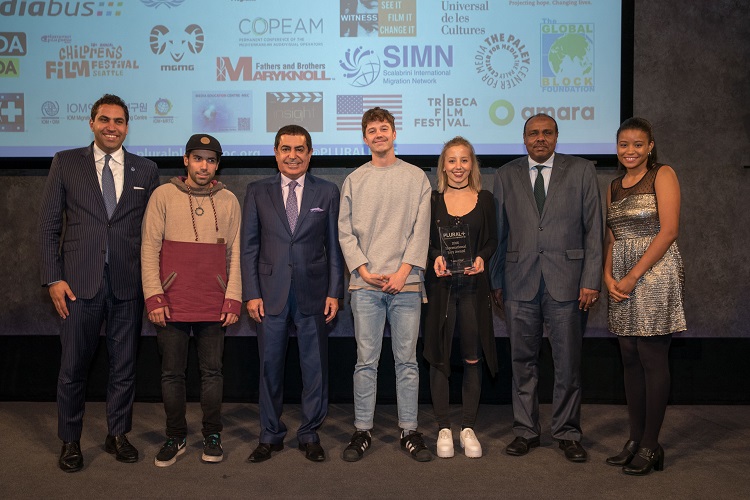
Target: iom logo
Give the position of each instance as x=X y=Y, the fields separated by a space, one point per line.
x=361 y=67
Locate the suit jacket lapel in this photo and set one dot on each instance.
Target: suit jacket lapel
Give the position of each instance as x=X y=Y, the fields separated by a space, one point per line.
x=92 y=179
x=522 y=174
x=308 y=195
x=556 y=179
x=274 y=193
x=127 y=183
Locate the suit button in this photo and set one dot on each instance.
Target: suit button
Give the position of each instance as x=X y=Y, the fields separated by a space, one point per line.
x=541 y=228
x=541 y=251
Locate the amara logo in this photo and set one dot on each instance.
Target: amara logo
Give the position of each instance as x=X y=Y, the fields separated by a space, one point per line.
x=52 y=8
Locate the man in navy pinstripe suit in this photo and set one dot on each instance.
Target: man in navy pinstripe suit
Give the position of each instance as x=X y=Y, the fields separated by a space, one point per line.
x=94 y=201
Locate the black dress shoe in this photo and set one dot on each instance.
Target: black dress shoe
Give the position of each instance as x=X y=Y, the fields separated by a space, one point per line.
x=120 y=447
x=573 y=450
x=71 y=458
x=644 y=461
x=521 y=446
x=313 y=451
x=263 y=452
x=625 y=456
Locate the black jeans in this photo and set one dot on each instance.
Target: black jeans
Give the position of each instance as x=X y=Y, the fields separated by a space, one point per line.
x=173 y=345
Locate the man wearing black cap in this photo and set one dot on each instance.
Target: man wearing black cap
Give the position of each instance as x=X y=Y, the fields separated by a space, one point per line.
x=190 y=260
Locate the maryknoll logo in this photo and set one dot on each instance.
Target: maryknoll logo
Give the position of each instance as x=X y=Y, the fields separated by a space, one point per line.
x=567 y=57
x=244 y=70
x=52 y=8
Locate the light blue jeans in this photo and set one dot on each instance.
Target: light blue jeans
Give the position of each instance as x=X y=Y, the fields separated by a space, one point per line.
x=402 y=310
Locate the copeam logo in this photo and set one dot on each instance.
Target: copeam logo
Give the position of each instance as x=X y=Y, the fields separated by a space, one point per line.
x=177 y=44
x=53 y=8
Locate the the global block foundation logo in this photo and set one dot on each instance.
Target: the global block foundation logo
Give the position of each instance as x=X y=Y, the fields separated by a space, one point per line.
x=502 y=61
x=567 y=57
x=11 y=113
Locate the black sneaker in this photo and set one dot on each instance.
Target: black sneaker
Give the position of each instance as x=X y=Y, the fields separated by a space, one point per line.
x=169 y=452
x=360 y=441
x=212 y=451
x=413 y=444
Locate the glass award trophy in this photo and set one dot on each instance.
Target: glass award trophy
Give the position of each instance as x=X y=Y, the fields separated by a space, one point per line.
x=455 y=248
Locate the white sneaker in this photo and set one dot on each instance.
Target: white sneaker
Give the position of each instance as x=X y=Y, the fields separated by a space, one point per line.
x=470 y=443
x=445 y=444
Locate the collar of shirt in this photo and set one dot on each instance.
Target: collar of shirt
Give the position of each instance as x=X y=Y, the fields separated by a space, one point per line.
x=546 y=171
x=547 y=163
x=286 y=180
x=116 y=164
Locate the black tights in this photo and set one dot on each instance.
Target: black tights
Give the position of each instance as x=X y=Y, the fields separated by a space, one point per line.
x=646 y=362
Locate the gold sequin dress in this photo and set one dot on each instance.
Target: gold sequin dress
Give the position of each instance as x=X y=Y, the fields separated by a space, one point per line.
x=655 y=304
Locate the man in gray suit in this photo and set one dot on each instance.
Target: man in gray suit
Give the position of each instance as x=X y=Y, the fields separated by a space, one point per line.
x=94 y=201
x=547 y=273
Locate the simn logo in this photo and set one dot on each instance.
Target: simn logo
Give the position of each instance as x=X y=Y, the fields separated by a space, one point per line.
x=11 y=112
x=361 y=67
x=53 y=8
x=12 y=44
x=567 y=57
x=416 y=56
x=191 y=39
x=503 y=112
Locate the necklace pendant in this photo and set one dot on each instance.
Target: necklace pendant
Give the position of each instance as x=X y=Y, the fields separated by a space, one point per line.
x=199 y=211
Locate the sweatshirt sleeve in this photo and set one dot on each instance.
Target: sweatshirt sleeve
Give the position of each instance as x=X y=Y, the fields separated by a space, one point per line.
x=152 y=234
x=349 y=243
x=233 y=295
x=416 y=247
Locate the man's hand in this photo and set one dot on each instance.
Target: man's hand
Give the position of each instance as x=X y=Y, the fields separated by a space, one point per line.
x=394 y=283
x=159 y=316
x=332 y=307
x=228 y=319
x=255 y=309
x=497 y=296
x=377 y=280
x=59 y=291
x=587 y=298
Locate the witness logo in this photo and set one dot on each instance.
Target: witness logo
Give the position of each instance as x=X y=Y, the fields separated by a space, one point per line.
x=12 y=44
x=567 y=57
x=361 y=67
x=52 y=8
x=177 y=43
x=11 y=113
x=359 y=18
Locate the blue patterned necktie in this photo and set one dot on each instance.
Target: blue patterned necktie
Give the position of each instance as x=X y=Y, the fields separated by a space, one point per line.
x=292 y=212
x=539 y=194
x=108 y=187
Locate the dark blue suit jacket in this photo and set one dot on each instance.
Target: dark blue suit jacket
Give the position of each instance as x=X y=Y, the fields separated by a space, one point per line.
x=73 y=199
x=272 y=256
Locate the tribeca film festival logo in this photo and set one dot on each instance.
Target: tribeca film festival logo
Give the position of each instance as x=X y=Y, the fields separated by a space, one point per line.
x=448 y=112
x=158 y=3
x=360 y=18
x=92 y=60
x=50 y=111
x=300 y=108
x=11 y=113
x=361 y=66
x=567 y=57
x=53 y=8
x=280 y=32
x=243 y=70
x=502 y=61
x=177 y=43
x=11 y=44
x=503 y=112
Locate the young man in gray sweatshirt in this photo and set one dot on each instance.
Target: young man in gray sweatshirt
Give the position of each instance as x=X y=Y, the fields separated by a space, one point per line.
x=384 y=226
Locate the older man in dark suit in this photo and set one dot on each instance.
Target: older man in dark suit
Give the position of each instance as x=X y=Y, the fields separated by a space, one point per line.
x=547 y=273
x=292 y=272
x=95 y=197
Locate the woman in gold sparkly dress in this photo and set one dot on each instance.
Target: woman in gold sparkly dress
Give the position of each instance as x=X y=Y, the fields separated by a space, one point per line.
x=644 y=276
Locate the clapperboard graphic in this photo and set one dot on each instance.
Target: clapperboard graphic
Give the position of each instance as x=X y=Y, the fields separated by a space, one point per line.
x=294 y=108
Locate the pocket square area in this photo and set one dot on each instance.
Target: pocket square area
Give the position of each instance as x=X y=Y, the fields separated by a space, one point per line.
x=139 y=187
x=316 y=210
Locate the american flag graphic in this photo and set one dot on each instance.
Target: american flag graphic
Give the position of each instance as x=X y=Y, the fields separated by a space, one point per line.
x=349 y=109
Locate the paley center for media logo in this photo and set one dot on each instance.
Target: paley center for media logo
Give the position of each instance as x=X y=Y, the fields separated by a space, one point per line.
x=373 y=18
x=177 y=43
x=244 y=70
x=567 y=57
x=403 y=65
x=502 y=61
x=11 y=112
x=12 y=45
x=53 y=8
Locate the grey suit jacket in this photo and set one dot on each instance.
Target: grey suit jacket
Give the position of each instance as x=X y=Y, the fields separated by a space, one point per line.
x=564 y=245
x=73 y=210
x=274 y=259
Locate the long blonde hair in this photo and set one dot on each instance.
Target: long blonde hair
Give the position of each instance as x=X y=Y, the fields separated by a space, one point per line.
x=475 y=178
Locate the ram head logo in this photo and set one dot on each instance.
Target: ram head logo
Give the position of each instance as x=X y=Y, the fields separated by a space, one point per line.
x=176 y=43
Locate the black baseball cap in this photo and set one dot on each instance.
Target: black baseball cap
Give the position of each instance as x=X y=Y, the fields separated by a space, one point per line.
x=203 y=141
